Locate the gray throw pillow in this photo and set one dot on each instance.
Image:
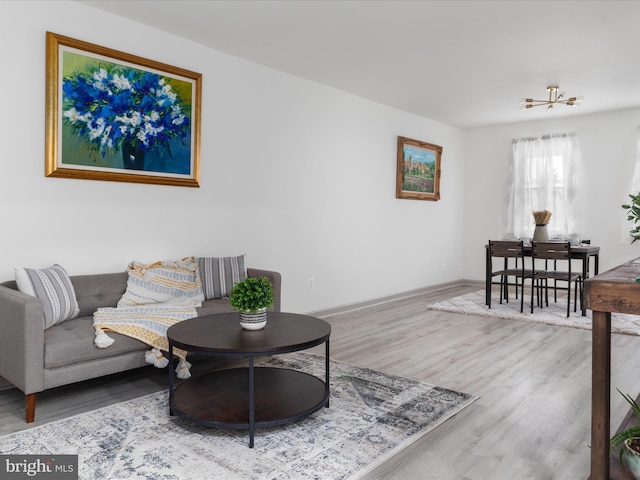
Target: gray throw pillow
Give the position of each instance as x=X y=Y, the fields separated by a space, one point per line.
x=53 y=287
x=220 y=274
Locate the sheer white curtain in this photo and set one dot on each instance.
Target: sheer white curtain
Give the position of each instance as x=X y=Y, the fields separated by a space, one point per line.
x=546 y=174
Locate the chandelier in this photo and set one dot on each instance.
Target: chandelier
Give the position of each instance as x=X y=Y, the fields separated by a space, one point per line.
x=554 y=98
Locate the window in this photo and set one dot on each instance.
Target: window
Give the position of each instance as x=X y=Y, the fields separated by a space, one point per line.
x=546 y=175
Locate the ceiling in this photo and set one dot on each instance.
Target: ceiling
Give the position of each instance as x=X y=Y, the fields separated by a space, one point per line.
x=462 y=63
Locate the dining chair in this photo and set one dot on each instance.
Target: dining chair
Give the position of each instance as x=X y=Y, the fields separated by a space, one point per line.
x=555 y=251
x=507 y=250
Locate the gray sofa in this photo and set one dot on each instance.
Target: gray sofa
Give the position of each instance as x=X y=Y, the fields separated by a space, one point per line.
x=34 y=359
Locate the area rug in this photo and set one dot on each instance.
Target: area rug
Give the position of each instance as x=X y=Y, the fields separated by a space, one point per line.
x=555 y=314
x=371 y=417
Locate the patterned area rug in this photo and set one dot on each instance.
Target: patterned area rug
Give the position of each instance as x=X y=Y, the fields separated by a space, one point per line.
x=371 y=417
x=554 y=314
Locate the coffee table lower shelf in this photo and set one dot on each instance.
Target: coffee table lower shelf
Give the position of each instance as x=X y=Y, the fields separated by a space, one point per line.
x=222 y=399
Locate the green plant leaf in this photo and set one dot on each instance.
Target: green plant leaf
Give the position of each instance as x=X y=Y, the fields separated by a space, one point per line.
x=618 y=438
x=630 y=432
x=252 y=294
x=634 y=406
x=633 y=215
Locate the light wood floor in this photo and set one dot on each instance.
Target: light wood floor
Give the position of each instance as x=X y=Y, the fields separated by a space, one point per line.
x=532 y=420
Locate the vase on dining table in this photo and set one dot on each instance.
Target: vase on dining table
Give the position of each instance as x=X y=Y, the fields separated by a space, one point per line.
x=540 y=233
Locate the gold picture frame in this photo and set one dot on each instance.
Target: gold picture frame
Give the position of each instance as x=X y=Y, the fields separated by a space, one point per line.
x=118 y=117
x=418 y=170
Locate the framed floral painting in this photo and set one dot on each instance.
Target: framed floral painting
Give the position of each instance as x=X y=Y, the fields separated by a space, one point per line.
x=418 y=170
x=118 y=117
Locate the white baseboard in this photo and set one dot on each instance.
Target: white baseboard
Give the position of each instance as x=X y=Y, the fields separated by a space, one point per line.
x=398 y=296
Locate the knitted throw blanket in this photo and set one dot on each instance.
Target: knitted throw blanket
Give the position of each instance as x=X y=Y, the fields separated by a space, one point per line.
x=149 y=324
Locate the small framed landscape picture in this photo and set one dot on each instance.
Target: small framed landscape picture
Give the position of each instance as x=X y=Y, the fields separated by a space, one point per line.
x=118 y=117
x=418 y=170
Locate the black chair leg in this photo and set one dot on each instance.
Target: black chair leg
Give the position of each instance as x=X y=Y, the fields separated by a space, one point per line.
x=533 y=282
x=521 y=295
x=546 y=291
x=506 y=289
x=575 y=293
x=488 y=293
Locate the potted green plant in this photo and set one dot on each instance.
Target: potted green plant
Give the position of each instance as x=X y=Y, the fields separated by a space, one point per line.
x=633 y=215
x=630 y=451
x=252 y=297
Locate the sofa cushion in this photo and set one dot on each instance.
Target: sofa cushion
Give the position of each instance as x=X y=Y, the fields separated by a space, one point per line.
x=53 y=288
x=72 y=342
x=220 y=274
x=162 y=282
x=217 y=305
x=99 y=290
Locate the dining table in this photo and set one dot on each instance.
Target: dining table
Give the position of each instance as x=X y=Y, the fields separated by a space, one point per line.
x=583 y=252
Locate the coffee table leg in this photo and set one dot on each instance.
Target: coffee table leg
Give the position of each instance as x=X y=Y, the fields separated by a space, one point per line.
x=252 y=420
x=170 y=377
x=326 y=376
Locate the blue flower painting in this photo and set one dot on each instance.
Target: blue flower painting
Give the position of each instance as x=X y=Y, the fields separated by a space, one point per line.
x=119 y=117
x=135 y=119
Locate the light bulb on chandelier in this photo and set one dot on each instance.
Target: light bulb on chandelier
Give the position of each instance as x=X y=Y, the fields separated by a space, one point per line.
x=555 y=98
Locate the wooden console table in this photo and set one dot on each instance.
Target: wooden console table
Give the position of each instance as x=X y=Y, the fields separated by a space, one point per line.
x=613 y=291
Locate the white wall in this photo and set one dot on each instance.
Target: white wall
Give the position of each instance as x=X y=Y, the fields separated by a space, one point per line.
x=299 y=176
x=608 y=145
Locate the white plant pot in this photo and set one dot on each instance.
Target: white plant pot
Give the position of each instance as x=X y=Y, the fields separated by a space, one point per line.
x=253 y=321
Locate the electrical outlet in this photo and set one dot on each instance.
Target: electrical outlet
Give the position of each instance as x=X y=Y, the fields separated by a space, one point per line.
x=312 y=283
x=444 y=267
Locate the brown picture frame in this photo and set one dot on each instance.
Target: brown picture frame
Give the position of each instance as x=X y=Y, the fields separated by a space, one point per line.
x=418 y=170
x=118 y=117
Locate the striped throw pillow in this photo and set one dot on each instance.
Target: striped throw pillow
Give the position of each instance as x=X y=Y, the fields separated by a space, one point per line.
x=220 y=274
x=53 y=287
x=163 y=282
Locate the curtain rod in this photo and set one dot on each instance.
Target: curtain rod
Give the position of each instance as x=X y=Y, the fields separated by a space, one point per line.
x=543 y=137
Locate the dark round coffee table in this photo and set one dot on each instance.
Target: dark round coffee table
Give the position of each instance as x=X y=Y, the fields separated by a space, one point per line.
x=248 y=397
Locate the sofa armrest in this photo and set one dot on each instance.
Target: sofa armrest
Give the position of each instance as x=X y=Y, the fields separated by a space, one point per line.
x=22 y=340
x=276 y=281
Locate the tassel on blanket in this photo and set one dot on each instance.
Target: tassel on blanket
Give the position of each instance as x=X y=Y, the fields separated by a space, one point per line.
x=155 y=357
x=102 y=340
x=182 y=370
